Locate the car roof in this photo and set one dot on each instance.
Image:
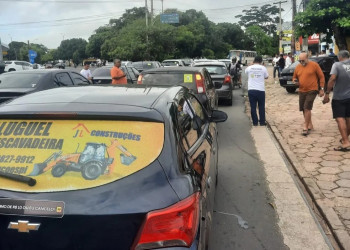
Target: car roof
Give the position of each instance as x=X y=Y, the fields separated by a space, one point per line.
x=35 y=71
x=129 y=101
x=172 y=69
x=213 y=63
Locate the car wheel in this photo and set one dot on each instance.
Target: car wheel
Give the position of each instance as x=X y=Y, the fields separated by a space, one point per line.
x=11 y=70
x=58 y=170
x=91 y=171
x=291 y=89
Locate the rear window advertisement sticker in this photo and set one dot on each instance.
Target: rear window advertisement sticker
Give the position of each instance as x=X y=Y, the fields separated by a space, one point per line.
x=188 y=78
x=32 y=208
x=65 y=155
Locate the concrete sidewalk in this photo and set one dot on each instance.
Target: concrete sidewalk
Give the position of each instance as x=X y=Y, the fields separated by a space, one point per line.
x=324 y=172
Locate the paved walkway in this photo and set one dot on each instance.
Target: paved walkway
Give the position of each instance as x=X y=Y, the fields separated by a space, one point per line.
x=325 y=172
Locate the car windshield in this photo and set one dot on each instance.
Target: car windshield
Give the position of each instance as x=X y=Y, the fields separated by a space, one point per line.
x=167 y=78
x=170 y=63
x=215 y=70
x=13 y=80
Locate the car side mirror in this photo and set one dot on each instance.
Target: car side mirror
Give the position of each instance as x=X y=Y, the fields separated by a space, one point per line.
x=218 y=116
x=218 y=85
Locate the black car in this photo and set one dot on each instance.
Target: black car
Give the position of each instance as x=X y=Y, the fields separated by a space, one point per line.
x=145 y=65
x=60 y=65
x=325 y=63
x=196 y=79
x=221 y=77
x=17 y=83
x=86 y=168
x=103 y=75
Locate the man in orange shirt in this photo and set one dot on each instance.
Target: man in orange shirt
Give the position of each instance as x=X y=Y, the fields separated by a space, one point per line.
x=118 y=76
x=308 y=76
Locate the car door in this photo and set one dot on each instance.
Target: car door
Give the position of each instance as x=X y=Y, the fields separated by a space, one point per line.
x=63 y=79
x=133 y=78
x=198 y=142
x=79 y=79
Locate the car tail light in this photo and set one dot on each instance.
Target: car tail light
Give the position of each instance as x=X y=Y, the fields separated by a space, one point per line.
x=227 y=80
x=139 y=79
x=169 y=227
x=200 y=84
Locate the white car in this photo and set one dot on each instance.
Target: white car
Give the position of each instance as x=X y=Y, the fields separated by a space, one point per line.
x=17 y=66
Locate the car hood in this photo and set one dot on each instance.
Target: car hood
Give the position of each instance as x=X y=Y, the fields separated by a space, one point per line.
x=16 y=90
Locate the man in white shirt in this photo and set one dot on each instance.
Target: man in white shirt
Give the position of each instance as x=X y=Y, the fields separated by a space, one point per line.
x=86 y=71
x=256 y=90
x=288 y=60
x=275 y=66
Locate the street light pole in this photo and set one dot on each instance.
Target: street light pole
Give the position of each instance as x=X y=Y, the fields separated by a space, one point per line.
x=280 y=25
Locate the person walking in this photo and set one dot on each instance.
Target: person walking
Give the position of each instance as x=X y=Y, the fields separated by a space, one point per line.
x=257 y=74
x=331 y=53
x=86 y=71
x=306 y=76
x=118 y=76
x=288 y=60
x=340 y=82
x=281 y=63
x=276 y=67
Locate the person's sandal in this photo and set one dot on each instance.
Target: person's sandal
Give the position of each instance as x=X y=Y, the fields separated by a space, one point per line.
x=305 y=132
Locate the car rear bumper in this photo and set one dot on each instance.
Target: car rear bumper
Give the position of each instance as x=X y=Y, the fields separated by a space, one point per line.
x=225 y=92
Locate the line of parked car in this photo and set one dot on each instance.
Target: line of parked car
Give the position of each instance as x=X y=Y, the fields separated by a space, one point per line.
x=146 y=176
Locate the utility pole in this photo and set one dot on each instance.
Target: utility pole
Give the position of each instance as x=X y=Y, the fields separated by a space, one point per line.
x=294 y=10
x=162 y=6
x=280 y=25
x=151 y=12
x=146 y=10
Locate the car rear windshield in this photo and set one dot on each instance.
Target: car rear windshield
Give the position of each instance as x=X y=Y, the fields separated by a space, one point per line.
x=64 y=155
x=167 y=78
x=215 y=70
x=8 y=62
x=102 y=72
x=13 y=80
x=171 y=63
x=143 y=65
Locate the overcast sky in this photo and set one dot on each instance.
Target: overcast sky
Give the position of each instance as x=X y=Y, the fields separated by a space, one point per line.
x=48 y=22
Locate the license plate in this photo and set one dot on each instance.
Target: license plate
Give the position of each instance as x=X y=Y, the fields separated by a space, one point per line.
x=290 y=82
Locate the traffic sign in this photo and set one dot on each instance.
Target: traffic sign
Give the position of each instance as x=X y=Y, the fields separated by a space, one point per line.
x=169 y=18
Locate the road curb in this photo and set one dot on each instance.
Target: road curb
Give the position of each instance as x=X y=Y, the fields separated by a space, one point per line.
x=327 y=212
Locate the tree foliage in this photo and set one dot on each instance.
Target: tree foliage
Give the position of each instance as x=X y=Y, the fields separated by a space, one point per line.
x=266 y=17
x=262 y=42
x=68 y=47
x=327 y=17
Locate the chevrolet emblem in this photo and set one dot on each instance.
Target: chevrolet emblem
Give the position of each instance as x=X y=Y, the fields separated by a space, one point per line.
x=23 y=226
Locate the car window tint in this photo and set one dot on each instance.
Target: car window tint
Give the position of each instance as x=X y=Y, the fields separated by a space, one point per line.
x=18 y=63
x=168 y=78
x=216 y=70
x=14 y=80
x=327 y=64
x=131 y=73
x=190 y=119
x=104 y=71
x=63 y=79
x=79 y=79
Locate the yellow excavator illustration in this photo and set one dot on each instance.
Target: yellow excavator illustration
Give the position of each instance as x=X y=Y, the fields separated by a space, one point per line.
x=95 y=160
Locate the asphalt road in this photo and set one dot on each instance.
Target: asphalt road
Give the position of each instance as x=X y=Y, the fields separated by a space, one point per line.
x=243 y=217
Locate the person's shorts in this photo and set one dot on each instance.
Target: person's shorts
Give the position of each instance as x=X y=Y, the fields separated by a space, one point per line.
x=341 y=108
x=306 y=100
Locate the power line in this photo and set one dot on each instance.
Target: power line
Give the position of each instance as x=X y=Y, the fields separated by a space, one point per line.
x=104 y=15
x=72 y=2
